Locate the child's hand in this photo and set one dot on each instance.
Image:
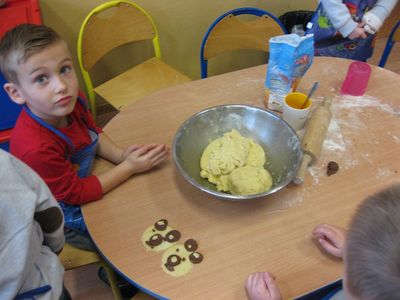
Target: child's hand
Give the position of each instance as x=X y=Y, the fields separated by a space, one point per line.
x=331 y=238
x=358 y=32
x=372 y=23
x=262 y=286
x=144 y=157
x=128 y=150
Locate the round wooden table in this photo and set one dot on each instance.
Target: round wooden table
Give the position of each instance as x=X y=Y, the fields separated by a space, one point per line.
x=271 y=233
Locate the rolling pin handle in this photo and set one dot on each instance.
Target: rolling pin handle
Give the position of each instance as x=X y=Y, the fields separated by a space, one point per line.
x=299 y=179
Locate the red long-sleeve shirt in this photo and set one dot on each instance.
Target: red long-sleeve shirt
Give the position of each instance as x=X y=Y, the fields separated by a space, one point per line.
x=45 y=152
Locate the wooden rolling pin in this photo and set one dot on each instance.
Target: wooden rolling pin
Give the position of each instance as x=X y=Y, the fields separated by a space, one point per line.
x=314 y=137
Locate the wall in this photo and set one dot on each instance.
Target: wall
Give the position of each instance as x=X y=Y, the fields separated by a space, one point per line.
x=181 y=24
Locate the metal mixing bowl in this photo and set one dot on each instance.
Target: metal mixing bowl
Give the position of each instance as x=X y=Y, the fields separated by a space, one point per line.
x=279 y=141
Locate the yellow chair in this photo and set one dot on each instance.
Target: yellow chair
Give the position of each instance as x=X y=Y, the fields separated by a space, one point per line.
x=109 y=26
x=230 y=32
x=72 y=257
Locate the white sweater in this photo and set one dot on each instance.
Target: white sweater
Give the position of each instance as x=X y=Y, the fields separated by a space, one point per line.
x=31 y=231
x=341 y=19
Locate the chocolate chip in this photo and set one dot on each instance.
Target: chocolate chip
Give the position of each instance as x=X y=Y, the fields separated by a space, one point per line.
x=196 y=257
x=169 y=268
x=173 y=236
x=332 y=168
x=155 y=240
x=191 y=245
x=172 y=261
x=161 y=225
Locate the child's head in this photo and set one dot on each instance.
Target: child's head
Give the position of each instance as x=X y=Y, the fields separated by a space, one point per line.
x=372 y=256
x=20 y=43
x=38 y=66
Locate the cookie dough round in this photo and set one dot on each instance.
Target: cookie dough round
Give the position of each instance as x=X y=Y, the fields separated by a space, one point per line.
x=249 y=180
x=175 y=261
x=228 y=153
x=159 y=240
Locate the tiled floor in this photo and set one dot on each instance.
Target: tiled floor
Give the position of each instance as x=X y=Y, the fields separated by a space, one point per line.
x=83 y=283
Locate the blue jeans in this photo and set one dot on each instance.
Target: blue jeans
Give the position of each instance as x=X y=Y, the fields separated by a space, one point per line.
x=78 y=240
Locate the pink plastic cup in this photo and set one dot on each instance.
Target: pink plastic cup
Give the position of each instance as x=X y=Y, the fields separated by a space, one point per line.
x=356 y=80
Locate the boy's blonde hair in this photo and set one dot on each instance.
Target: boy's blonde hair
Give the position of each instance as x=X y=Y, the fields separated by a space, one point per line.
x=19 y=43
x=373 y=247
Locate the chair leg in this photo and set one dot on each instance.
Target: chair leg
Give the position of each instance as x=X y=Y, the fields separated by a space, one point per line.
x=142 y=296
x=112 y=279
x=386 y=52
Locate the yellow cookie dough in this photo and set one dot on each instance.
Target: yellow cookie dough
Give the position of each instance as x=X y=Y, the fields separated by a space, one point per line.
x=179 y=258
x=160 y=239
x=249 y=180
x=228 y=153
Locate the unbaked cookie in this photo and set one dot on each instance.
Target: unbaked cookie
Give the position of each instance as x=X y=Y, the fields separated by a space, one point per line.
x=160 y=236
x=179 y=259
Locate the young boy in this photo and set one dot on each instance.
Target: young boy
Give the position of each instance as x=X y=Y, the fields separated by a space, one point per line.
x=31 y=227
x=55 y=134
x=370 y=252
x=346 y=28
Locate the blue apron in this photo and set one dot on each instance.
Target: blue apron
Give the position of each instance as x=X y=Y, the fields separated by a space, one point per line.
x=84 y=159
x=332 y=293
x=329 y=42
x=326 y=292
x=34 y=292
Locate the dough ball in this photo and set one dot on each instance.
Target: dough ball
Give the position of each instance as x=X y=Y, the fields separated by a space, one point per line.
x=256 y=157
x=227 y=153
x=249 y=180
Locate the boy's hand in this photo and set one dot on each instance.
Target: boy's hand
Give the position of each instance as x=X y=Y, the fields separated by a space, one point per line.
x=331 y=238
x=262 y=286
x=128 y=150
x=358 y=32
x=144 y=157
x=372 y=23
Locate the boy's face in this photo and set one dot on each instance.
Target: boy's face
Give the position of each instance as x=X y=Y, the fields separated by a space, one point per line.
x=47 y=83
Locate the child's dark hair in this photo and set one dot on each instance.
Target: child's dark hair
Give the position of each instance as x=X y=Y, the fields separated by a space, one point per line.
x=373 y=247
x=19 y=43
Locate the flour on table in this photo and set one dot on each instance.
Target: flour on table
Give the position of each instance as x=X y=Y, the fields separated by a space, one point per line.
x=334 y=139
x=245 y=82
x=360 y=102
x=383 y=174
x=396 y=138
x=349 y=114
